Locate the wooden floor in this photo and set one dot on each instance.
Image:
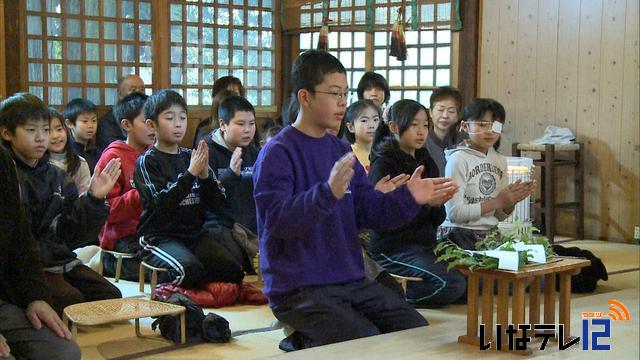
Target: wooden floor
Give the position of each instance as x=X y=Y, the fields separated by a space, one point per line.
x=256 y=339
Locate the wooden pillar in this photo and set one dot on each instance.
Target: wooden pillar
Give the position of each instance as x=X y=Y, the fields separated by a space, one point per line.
x=469 y=50
x=14 y=33
x=161 y=45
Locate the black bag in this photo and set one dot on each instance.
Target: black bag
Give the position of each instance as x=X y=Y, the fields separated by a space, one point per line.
x=199 y=328
x=587 y=280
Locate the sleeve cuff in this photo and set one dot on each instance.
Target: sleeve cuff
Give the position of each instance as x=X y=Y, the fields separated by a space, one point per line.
x=326 y=200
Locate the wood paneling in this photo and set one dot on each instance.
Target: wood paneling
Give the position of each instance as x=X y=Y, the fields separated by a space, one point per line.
x=572 y=63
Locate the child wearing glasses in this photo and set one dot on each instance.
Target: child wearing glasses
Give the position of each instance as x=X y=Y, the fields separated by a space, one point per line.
x=312 y=200
x=485 y=197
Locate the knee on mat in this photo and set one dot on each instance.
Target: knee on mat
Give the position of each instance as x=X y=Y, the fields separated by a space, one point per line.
x=63 y=349
x=347 y=333
x=450 y=291
x=66 y=349
x=113 y=293
x=193 y=274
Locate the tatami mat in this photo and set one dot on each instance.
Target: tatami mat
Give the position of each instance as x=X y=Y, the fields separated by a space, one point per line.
x=439 y=339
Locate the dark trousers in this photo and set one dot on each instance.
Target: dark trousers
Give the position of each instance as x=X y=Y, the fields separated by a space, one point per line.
x=28 y=343
x=191 y=262
x=329 y=314
x=224 y=236
x=439 y=286
x=80 y=284
x=130 y=266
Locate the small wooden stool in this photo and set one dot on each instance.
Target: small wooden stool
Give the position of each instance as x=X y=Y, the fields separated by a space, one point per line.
x=547 y=205
x=108 y=311
x=403 y=280
x=119 y=256
x=154 y=277
x=532 y=275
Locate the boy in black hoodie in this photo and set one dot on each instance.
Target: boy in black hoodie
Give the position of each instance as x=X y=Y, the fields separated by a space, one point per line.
x=23 y=290
x=408 y=250
x=60 y=220
x=231 y=156
x=177 y=187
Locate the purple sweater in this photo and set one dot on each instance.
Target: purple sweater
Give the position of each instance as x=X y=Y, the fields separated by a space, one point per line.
x=307 y=237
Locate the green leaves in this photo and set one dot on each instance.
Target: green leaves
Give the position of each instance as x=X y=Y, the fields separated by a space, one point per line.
x=454 y=255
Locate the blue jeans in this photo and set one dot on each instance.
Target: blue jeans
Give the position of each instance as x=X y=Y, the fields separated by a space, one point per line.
x=439 y=286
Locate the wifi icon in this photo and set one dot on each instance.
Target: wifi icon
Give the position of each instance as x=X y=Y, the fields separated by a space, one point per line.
x=618 y=310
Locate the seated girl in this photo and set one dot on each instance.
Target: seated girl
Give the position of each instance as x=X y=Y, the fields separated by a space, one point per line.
x=485 y=197
x=408 y=250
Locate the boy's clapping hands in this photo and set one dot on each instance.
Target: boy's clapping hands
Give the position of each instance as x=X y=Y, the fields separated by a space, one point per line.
x=236 y=161
x=199 y=165
x=102 y=181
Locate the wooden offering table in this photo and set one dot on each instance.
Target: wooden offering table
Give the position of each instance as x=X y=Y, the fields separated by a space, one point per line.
x=518 y=280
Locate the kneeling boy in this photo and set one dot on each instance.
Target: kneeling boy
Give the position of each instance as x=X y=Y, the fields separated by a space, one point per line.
x=177 y=187
x=119 y=232
x=312 y=200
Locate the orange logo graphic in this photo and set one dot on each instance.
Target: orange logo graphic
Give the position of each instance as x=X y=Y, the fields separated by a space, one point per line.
x=618 y=312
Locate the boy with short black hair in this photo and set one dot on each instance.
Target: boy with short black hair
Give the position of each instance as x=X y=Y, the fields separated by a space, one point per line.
x=311 y=201
x=231 y=156
x=60 y=219
x=24 y=293
x=177 y=187
x=81 y=118
x=119 y=231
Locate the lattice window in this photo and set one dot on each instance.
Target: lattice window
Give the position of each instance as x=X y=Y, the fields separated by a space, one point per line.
x=210 y=39
x=429 y=55
x=79 y=48
x=428 y=63
x=348 y=47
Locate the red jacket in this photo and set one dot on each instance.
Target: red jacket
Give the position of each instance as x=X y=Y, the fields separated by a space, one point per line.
x=124 y=200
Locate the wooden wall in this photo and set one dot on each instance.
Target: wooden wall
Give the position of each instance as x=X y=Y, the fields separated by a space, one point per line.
x=572 y=63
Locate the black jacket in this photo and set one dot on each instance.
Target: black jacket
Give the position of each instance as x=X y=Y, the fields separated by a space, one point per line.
x=388 y=159
x=240 y=205
x=173 y=201
x=109 y=130
x=60 y=221
x=21 y=278
x=89 y=152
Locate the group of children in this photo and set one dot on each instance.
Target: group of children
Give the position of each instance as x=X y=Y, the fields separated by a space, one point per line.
x=192 y=211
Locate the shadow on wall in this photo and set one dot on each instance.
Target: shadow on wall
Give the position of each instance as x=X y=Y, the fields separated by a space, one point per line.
x=612 y=206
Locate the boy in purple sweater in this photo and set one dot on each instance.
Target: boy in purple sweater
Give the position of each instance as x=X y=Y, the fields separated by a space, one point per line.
x=312 y=200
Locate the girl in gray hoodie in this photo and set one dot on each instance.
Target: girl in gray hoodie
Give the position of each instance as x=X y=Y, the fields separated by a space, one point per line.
x=485 y=196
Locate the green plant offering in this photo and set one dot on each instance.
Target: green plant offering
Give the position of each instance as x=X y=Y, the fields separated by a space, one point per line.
x=496 y=240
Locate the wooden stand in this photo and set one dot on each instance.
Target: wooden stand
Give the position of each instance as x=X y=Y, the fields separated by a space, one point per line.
x=547 y=205
x=565 y=267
